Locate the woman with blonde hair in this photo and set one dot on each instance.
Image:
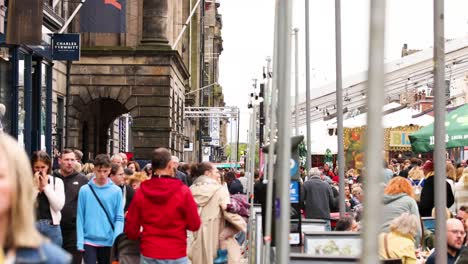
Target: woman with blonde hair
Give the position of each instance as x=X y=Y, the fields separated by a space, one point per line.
x=461 y=190
x=399 y=199
x=399 y=242
x=20 y=242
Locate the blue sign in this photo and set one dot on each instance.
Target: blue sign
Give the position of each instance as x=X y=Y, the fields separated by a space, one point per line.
x=294 y=192
x=294 y=167
x=66 y=47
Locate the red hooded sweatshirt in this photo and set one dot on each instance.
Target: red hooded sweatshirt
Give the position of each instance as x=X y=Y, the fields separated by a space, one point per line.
x=165 y=208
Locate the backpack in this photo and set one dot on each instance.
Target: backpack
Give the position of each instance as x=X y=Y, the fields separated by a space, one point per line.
x=125 y=251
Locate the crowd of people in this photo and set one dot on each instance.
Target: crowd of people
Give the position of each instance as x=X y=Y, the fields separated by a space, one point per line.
x=75 y=213
x=178 y=212
x=408 y=196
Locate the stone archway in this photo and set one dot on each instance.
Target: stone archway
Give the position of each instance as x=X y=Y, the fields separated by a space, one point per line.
x=97 y=118
x=91 y=113
x=150 y=86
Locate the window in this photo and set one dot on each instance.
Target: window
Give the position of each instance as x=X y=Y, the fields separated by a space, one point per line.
x=5 y=90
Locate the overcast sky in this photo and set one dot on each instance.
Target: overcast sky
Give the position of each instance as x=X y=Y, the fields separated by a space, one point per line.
x=248 y=39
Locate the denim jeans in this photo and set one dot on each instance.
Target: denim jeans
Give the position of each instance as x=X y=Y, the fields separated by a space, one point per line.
x=145 y=260
x=53 y=232
x=327 y=225
x=240 y=237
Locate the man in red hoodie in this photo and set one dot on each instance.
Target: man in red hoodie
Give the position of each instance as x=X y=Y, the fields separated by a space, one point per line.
x=165 y=208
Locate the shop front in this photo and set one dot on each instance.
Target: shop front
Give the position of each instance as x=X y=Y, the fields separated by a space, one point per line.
x=26 y=92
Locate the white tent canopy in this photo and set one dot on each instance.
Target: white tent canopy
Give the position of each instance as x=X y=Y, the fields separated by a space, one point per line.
x=321 y=139
x=402 y=117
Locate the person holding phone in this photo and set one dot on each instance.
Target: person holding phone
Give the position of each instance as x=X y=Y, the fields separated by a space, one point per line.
x=50 y=198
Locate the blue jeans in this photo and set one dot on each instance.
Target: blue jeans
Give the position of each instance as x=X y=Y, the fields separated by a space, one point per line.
x=240 y=237
x=145 y=260
x=53 y=232
x=328 y=225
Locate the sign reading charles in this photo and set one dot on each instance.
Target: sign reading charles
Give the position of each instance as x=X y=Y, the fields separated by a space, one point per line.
x=66 y=47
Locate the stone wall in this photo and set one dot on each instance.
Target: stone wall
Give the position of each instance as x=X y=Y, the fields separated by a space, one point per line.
x=145 y=84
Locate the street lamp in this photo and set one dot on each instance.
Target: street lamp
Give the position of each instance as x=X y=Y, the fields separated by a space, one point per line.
x=254 y=101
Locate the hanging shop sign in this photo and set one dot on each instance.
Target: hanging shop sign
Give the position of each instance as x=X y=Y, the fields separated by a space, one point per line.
x=66 y=47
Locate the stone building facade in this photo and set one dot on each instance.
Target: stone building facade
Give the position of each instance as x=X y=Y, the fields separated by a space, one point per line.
x=137 y=72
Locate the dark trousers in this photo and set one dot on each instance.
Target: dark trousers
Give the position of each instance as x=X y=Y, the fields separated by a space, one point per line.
x=69 y=244
x=93 y=255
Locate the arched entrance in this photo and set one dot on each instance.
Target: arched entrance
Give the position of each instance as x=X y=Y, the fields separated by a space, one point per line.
x=97 y=118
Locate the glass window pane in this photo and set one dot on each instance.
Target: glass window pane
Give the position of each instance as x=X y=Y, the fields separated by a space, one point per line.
x=21 y=109
x=43 y=104
x=5 y=90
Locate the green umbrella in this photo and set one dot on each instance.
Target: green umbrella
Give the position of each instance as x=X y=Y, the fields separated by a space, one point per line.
x=456 y=129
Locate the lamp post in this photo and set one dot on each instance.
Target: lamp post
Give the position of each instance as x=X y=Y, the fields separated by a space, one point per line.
x=254 y=102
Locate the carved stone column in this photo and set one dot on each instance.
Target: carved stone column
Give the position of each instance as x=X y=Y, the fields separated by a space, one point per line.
x=155 y=22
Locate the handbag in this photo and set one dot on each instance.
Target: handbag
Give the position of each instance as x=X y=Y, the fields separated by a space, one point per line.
x=102 y=206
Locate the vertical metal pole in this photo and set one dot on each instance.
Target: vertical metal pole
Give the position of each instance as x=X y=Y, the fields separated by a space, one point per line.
x=27 y=134
x=252 y=173
x=270 y=171
x=252 y=145
x=49 y=102
x=238 y=133
x=267 y=100
x=339 y=106
x=374 y=146
x=307 y=52
x=296 y=80
x=252 y=154
x=15 y=98
x=231 y=149
x=68 y=103
x=282 y=77
x=439 y=130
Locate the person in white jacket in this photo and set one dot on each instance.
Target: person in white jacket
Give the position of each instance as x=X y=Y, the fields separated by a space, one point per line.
x=50 y=197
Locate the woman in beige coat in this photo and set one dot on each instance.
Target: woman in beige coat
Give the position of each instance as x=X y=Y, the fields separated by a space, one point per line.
x=212 y=199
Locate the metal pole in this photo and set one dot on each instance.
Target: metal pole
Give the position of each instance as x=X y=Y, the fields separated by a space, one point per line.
x=231 y=149
x=72 y=16
x=238 y=133
x=282 y=78
x=270 y=171
x=439 y=130
x=252 y=179
x=252 y=171
x=185 y=25
x=267 y=101
x=374 y=146
x=339 y=106
x=307 y=52
x=296 y=81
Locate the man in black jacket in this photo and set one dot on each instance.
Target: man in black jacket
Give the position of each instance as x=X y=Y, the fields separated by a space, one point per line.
x=72 y=181
x=318 y=197
x=427 y=193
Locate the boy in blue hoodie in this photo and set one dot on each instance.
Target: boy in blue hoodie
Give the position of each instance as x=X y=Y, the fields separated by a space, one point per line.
x=100 y=216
